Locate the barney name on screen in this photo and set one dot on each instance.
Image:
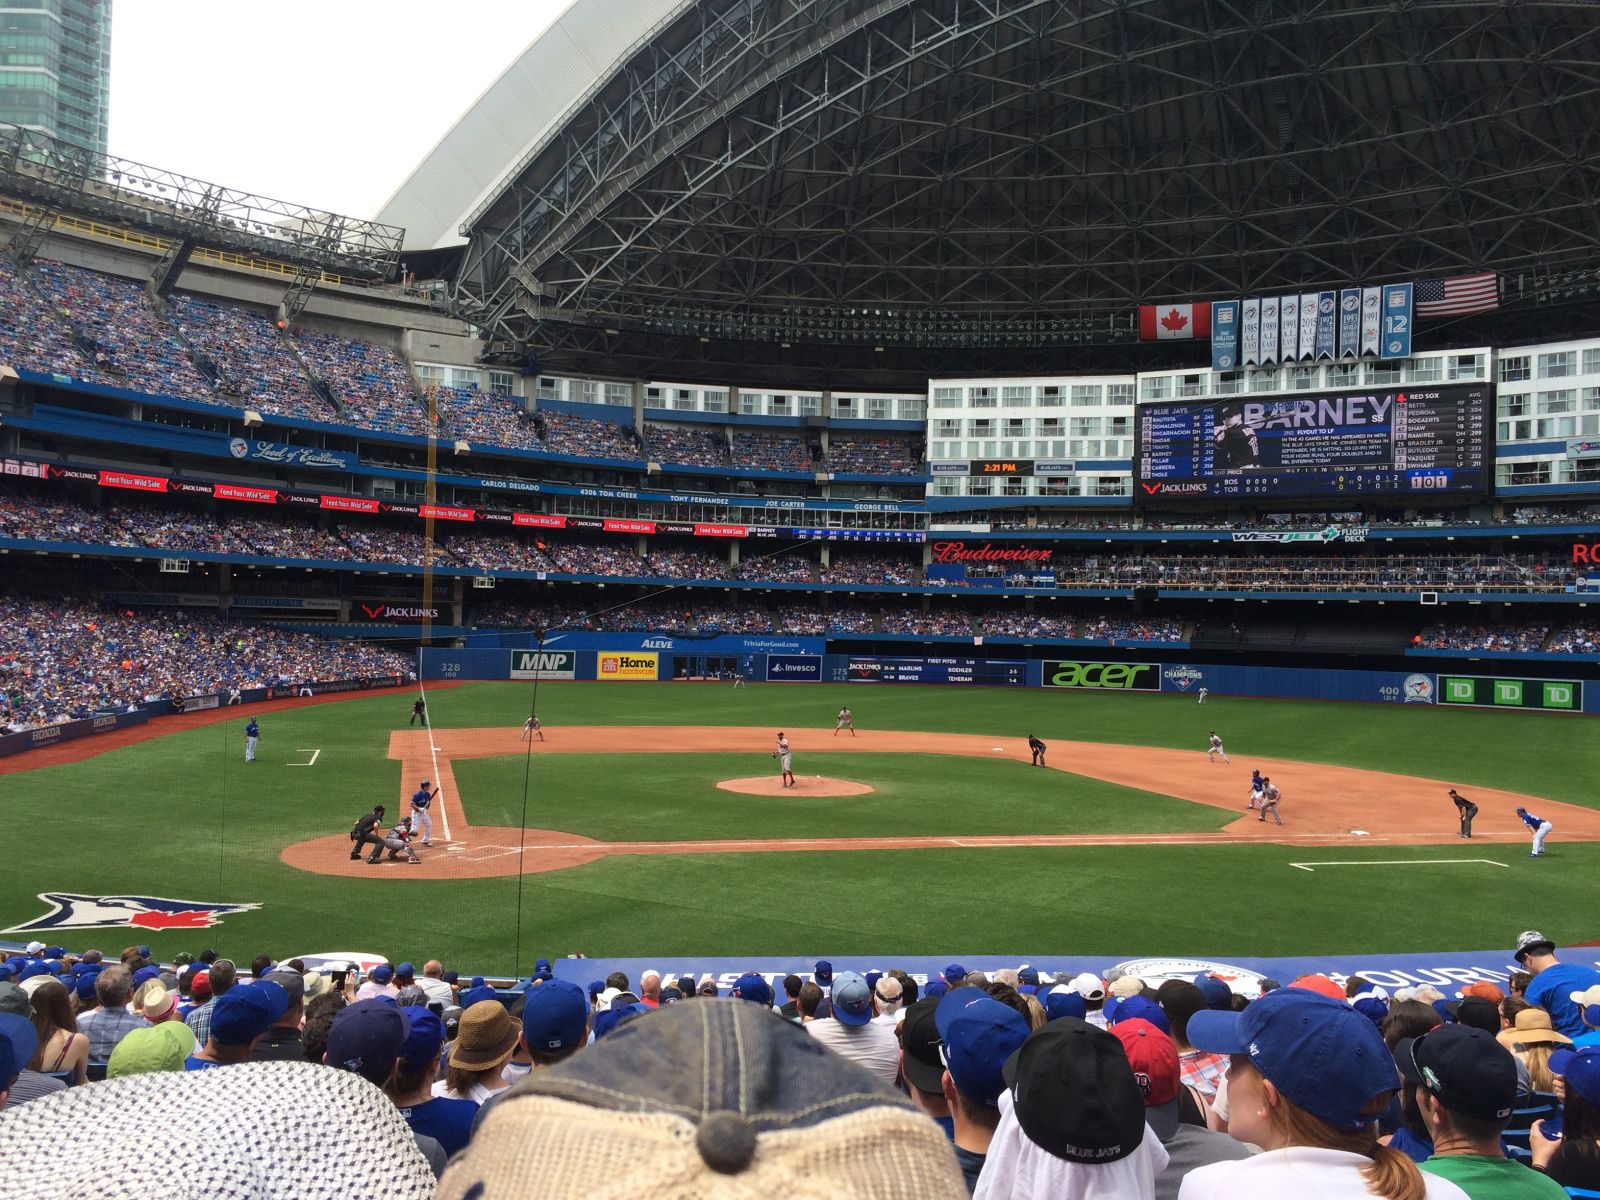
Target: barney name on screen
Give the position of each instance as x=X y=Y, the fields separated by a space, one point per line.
x=1400 y=442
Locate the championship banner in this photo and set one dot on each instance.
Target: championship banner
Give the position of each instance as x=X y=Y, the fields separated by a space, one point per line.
x=1269 y=330
x=1288 y=327
x=1224 y=335
x=1371 y=320
x=640 y=665
x=1326 y=325
x=1350 y=323
x=1308 y=327
x=1397 y=321
x=1250 y=352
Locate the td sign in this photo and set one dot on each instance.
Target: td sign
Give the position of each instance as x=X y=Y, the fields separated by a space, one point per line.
x=1103 y=676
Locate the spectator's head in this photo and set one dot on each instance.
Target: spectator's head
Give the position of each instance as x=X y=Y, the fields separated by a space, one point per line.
x=162 y=1047
x=650 y=986
x=1180 y=1000
x=1139 y=1008
x=366 y=1037
x=979 y=1034
x=1588 y=1004
x=1307 y=1070
x=433 y=969
x=158 y=1005
x=1407 y=1018
x=405 y=975
x=1064 y=1000
x=808 y=1000
x=920 y=1063
x=319 y=1016
x=1092 y=988
x=1477 y=1013
x=792 y=985
x=1534 y=951
x=418 y=1063
x=222 y=976
x=243 y=1014
x=19 y=1042
x=754 y=988
x=852 y=999
x=294 y=988
x=1580 y=1071
x=382 y=975
x=555 y=1022
x=485 y=1042
x=1154 y=1059
x=890 y=996
x=908 y=986
x=1219 y=995
x=261 y=965
x=747 y=1108
x=618 y=980
x=1466 y=1083
x=113 y=986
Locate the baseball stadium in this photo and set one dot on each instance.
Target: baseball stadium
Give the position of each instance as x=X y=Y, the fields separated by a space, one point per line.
x=1064 y=490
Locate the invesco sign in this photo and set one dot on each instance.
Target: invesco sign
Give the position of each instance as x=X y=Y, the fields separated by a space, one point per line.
x=1103 y=676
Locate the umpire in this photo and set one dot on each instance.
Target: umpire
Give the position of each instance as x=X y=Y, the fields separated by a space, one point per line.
x=1467 y=809
x=368 y=829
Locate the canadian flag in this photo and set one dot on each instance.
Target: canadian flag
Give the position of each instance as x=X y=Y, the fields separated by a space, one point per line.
x=1164 y=322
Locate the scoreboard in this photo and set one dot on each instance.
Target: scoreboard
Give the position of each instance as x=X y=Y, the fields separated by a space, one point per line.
x=1428 y=442
x=991 y=672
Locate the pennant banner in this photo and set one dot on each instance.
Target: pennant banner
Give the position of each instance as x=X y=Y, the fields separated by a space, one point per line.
x=1225 y=335
x=1288 y=327
x=1371 y=320
x=1397 y=321
x=1326 y=325
x=1308 y=327
x=1269 y=330
x=1250 y=352
x=1350 y=323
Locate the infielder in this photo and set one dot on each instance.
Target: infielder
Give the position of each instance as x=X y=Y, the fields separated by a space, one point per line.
x=252 y=734
x=1256 y=788
x=844 y=721
x=1541 y=830
x=1204 y=692
x=530 y=727
x=420 y=803
x=419 y=712
x=785 y=760
x=1269 y=799
x=1215 y=749
x=738 y=675
x=1036 y=748
x=1467 y=809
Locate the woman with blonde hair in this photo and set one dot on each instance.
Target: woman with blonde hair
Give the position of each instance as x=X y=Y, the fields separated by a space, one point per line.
x=63 y=1052
x=478 y=1057
x=1308 y=1079
x=1533 y=1040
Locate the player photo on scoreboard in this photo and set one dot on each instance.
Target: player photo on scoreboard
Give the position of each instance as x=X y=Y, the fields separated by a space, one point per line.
x=1238 y=445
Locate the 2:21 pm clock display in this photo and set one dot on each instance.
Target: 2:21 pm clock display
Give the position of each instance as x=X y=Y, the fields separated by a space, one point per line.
x=1423 y=442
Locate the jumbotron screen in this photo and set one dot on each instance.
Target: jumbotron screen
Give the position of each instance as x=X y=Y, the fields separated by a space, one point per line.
x=1424 y=442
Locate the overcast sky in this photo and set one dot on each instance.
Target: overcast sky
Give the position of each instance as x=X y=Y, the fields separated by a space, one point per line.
x=326 y=103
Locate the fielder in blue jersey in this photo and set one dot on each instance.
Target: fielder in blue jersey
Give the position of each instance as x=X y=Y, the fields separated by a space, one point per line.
x=1541 y=830
x=421 y=802
x=1256 y=786
x=252 y=732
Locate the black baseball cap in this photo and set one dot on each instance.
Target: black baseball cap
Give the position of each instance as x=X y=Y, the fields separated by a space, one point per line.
x=919 y=1038
x=1465 y=1067
x=1074 y=1093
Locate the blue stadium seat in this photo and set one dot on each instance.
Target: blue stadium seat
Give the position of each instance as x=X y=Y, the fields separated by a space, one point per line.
x=1515 y=1139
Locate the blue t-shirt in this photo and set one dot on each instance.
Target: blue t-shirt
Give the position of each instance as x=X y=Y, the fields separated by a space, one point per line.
x=1552 y=990
x=447 y=1121
x=200 y=1064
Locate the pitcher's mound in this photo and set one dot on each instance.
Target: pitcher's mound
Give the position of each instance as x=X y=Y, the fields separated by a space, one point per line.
x=804 y=785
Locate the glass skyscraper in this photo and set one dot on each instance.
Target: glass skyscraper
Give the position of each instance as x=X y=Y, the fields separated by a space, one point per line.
x=55 y=68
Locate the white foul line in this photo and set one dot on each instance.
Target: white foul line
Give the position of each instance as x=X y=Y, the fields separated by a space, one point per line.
x=1398 y=862
x=444 y=810
x=305 y=750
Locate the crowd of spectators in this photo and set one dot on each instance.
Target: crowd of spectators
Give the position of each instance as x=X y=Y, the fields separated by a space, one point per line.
x=938 y=622
x=874 y=456
x=371 y=382
x=253 y=356
x=61 y=661
x=858 y=567
x=1005 y=1084
x=684 y=562
x=1505 y=637
x=23 y=516
x=584 y=437
x=1091 y=626
x=1526 y=573
x=130 y=339
x=1576 y=639
x=685 y=445
x=771 y=452
x=793 y=565
x=485 y=419
x=32 y=334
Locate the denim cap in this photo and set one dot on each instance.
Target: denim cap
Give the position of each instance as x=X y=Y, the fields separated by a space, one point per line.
x=722 y=1099
x=425 y=1037
x=18 y=1041
x=1138 y=1008
x=852 y=999
x=1064 y=1000
x=979 y=1034
x=1323 y=1055
x=555 y=1016
x=1581 y=1069
x=244 y=1012
x=366 y=1037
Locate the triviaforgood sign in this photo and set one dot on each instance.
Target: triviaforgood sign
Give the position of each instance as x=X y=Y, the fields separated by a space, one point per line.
x=627 y=666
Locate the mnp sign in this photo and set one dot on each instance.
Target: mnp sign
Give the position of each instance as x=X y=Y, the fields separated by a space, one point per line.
x=794 y=668
x=1536 y=695
x=544 y=664
x=1102 y=676
x=627 y=666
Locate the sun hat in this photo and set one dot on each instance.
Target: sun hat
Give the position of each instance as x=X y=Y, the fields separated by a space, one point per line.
x=1532 y=1028
x=162 y=1047
x=487 y=1037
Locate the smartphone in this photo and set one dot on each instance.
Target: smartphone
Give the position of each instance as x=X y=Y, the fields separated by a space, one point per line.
x=338 y=979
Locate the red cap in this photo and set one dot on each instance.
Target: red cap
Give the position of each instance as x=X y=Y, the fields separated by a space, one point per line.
x=1320 y=984
x=200 y=985
x=1153 y=1057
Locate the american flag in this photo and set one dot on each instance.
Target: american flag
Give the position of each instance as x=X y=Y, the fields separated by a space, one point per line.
x=1458 y=295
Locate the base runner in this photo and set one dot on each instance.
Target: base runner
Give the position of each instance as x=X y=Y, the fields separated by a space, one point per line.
x=1215 y=748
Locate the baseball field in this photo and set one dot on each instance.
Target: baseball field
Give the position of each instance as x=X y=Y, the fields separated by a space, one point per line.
x=649 y=823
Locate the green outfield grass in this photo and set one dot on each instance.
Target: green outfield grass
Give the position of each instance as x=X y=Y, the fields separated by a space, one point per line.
x=182 y=816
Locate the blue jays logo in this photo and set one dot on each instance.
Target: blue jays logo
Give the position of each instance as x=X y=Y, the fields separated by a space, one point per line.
x=71 y=911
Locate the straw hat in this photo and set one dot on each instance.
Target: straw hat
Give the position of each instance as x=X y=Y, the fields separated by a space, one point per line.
x=1533 y=1028
x=487 y=1037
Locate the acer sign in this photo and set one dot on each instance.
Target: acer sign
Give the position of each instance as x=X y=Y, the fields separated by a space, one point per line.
x=962 y=552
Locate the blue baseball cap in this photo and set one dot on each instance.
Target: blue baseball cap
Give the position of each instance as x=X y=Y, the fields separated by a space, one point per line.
x=555 y=1016
x=404 y=971
x=1138 y=1008
x=1218 y=994
x=1581 y=1069
x=936 y=988
x=244 y=1012
x=474 y=995
x=823 y=972
x=382 y=973
x=1323 y=1055
x=872 y=978
x=852 y=999
x=596 y=986
x=979 y=1034
x=366 y=1038
x=1064 y=1000
x=86 y=983
x=54 y=952
x=425 y=1037
x=954 y=973
x=1028 y=976
x=607 y=1022
x=145 y=974
x=753 y=988
x=18 y=1041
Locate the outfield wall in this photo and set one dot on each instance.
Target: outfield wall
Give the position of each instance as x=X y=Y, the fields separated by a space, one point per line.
x=775 y=659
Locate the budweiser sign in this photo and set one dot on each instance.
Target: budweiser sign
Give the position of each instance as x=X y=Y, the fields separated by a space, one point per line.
x=960 y=552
